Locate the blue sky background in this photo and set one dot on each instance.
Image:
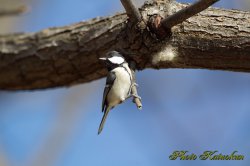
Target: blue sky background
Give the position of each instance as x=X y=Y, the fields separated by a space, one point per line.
x=183 y=109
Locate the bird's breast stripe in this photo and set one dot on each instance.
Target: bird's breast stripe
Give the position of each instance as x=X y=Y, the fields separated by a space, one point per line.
x=130 y=77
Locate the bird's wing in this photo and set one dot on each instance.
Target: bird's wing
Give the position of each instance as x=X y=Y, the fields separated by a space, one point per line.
x=109 y=82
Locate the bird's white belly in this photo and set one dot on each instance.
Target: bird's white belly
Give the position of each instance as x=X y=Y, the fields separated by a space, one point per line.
x=121 y=87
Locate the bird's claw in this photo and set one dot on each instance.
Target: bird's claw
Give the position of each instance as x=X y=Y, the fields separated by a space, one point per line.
x=134 y=95
x=135 y=84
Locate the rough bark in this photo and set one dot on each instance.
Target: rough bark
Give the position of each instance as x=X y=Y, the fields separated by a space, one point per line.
x=214 y=39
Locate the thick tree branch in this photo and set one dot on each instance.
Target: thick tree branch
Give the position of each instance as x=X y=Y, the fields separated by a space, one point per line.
x=214 y=39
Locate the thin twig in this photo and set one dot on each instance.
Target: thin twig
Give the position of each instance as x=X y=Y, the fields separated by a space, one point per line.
x=186 y=13
x=132 y=12
x=14 y=11
x=136 y=100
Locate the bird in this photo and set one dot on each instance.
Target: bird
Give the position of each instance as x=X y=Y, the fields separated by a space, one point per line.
x=118 y=83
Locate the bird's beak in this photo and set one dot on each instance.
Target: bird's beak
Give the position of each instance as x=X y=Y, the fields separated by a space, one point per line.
x=103 y=59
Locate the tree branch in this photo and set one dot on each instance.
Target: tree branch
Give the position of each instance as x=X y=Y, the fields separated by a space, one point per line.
x=14 y=11
x=186 y=13
x=215 y=39
x=131 y=10
x=136 y=99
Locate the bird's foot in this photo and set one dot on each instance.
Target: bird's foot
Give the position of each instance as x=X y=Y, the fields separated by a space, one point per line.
x=133 y=95
x=135 y=84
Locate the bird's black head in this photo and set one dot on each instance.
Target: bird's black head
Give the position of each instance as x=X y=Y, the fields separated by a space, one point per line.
x=113 y=59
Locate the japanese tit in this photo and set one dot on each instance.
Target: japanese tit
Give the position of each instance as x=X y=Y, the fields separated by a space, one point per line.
x=118 y=83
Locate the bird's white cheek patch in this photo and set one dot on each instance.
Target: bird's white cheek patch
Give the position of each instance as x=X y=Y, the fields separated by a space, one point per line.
x=116 y=60
x=168 y=53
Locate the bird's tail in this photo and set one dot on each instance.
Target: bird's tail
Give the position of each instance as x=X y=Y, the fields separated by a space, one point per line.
x=103 y=120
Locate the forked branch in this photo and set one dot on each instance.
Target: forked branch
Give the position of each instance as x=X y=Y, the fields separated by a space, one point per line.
x=216 y=39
